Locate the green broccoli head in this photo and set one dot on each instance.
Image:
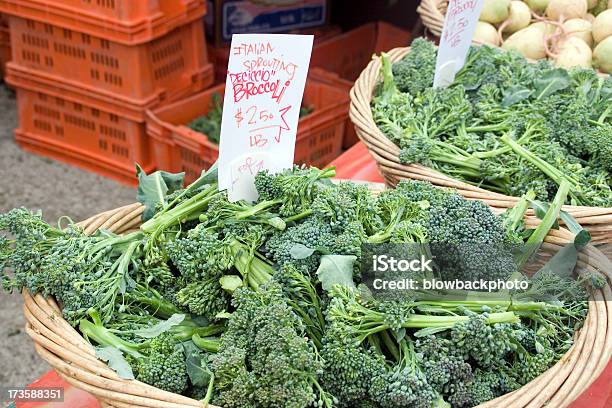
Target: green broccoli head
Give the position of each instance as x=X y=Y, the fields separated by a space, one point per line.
x=164 y=367
x=264 y=342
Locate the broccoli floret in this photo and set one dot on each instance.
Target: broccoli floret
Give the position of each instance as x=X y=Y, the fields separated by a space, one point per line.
x=349 y=366
x=164 y=366
x=204 y=255
x=405 y=384
x=295 y=188
x=445 y=368
x=301 y=294
x=397 y=212
x=484 y=387
x=264 y=357
x=415 y=72
x=485 y=343
x=600 y=147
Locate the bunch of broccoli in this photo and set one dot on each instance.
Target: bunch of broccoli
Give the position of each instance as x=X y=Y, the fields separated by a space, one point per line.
x=505 y=124
x=263 y=304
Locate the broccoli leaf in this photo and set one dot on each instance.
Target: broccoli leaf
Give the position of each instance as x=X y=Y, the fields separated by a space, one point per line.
x=197 y=370
x=515 y=94
x=301 y=251
x=116 y=361
x=552 y=81
x=153 y=188
x=161 y=327
x=336 y=270
x=207 y=177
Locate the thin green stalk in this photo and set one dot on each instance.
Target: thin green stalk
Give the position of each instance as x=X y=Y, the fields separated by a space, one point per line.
x=210 y=345
x=390 y=344
x=536 y=239
x=182 y=211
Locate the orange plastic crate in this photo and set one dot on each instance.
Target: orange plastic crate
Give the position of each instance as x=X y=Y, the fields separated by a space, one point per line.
x=5 y=49
x=148 y=73
x=348 y=54
x=123 y=21
x=178 y=148
x=332 y=79
x=71 y=129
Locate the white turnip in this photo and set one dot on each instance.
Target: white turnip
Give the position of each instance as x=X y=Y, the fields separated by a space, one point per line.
x=602 y=56
x=580 y=28
x=560 y=9
x=544 y=27
x=486 y=34
x=519 y=17
x=529 y=41
x=602 y=26
x=573 y=52
x=537 y=5
x=495 y=11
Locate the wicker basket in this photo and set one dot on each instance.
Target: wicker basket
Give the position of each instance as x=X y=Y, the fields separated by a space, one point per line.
x=597 y=220
x=432 y=14
x=74 y=359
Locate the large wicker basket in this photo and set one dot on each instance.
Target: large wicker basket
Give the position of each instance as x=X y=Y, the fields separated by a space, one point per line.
x=432 y=14
x=597 y=220
x=74 y=359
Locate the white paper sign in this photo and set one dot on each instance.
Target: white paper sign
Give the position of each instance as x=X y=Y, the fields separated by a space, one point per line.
x=264 y=89
x=457 y=34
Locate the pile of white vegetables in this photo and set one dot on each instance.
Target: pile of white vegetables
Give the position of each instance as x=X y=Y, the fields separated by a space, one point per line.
x=570 y=32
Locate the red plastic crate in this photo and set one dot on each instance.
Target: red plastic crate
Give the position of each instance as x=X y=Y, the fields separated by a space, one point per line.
x=76 y=130
x=178 y=148
x=123 y=21
x=159 y=70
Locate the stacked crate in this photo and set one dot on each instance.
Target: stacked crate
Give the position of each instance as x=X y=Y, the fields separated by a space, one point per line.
x=85 y=72
x=5 y=45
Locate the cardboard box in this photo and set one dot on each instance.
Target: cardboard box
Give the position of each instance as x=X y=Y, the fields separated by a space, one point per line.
x=227 y=17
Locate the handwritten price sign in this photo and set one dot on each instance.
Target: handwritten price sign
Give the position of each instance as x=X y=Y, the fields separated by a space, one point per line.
x=264 y=90
x=459 y=27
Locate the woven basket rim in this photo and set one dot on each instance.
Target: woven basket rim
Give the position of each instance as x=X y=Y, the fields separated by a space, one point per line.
x=432 y=13
x=58 y=343
x=386 y=154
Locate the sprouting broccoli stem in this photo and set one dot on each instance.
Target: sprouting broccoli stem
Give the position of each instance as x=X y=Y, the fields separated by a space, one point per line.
x=101 y=335
x=375 y=324
x=250 y=265
x=209 y=390
x=555 y=174
x=210 y=344
x=536 y=239
x=390 y=344
x=517 y=213
x=186 y=330
x=299 y=216
x=109 y=284
x=153 y=301
x=256 y=209
x=186 y=209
